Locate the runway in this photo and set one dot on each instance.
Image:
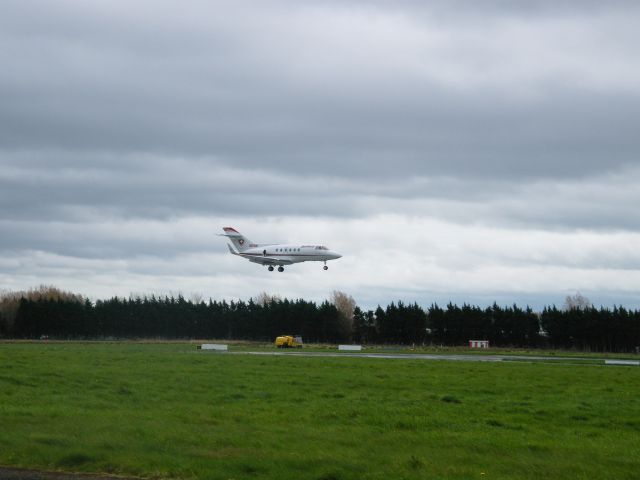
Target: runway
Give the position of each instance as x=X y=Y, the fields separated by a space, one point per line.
x=449 y=357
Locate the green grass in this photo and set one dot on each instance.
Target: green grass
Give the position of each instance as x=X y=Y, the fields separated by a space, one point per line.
x=167 y=410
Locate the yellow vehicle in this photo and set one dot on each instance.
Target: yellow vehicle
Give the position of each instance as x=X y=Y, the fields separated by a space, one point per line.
x=289 y=341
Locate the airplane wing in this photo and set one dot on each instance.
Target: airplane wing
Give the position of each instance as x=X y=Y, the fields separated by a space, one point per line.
x=262 y=260
x=269 y=260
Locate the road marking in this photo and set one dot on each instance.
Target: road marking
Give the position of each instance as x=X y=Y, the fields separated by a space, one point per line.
x=622 y=362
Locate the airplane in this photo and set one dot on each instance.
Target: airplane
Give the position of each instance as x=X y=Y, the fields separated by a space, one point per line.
x=276 y=254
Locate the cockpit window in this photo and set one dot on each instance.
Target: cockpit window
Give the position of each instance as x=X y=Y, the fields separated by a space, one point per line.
x=321 y=247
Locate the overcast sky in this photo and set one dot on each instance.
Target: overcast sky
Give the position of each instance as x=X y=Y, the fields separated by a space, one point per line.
x=450 y=150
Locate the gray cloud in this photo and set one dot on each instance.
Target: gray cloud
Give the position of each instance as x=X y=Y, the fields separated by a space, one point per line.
x=330 y=90
x=83 y=187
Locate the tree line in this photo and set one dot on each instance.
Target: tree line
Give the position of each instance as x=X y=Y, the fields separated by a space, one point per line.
x=177 y=318
x=582 y=327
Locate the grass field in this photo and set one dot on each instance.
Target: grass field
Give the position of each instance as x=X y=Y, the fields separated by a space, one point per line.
x=167 y=410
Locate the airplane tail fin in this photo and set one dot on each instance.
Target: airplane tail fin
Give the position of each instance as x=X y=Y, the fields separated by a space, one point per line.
x=239 y=241
x=233 y=252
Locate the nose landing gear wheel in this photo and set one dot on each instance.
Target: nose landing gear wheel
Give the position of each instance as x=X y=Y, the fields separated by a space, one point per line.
x=270 y=268
x=325 y=268
x=280 y=269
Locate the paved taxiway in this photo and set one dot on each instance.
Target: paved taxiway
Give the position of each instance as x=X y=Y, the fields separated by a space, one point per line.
x=448 y=357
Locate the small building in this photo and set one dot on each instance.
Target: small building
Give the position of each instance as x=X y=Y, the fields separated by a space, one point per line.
x=478 y=343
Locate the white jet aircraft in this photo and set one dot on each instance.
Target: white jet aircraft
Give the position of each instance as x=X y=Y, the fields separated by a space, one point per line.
x=273 y=254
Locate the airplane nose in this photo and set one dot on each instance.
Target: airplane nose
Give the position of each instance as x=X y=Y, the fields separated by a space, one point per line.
x=336 y=256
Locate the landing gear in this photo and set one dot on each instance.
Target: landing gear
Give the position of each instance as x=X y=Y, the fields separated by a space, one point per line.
x=281 y=269
x=270 y=268
x=325 y=266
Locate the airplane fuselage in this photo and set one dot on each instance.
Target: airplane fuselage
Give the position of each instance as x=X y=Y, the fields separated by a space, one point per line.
x=288 y=254
x=277 y=254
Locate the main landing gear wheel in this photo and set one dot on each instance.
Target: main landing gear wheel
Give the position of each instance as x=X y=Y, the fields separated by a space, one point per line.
x=270 y=268
x=280 y=269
